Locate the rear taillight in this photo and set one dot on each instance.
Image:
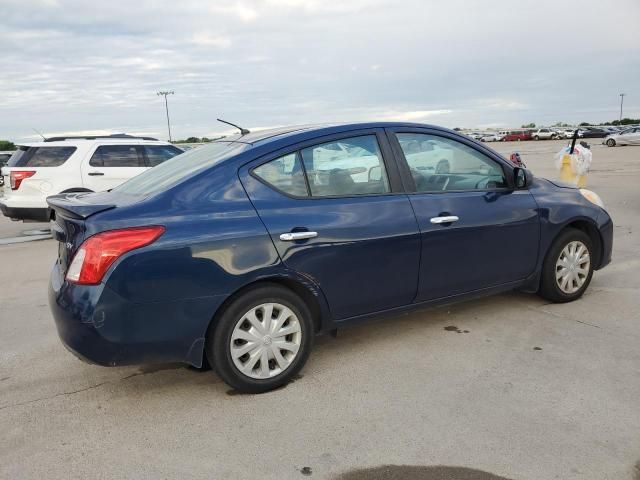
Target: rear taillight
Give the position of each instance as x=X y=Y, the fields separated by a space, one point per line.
x=97 y=253
x=17 y=176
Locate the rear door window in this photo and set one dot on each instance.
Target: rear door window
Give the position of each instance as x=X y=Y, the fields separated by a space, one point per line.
x=156 y=154
x=111 y=156
x=346 y=167
x=285 y=174
x=40 y=156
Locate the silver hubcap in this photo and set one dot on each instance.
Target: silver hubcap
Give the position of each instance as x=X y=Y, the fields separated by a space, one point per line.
x=572 y=267
x=266 y=340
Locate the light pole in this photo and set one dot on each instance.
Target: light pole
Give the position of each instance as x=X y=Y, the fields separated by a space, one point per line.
x=621 y=100
x=166 y=107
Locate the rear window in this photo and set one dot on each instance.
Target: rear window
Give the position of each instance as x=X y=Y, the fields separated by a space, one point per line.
x=40 y=156
x=182 y=166
x=157 y=154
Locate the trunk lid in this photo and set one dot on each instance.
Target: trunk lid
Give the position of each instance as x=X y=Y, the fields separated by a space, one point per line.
x=80 y=205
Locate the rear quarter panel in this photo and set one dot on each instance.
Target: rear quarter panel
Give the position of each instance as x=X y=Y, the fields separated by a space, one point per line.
x=214 y=240
x=214 y=244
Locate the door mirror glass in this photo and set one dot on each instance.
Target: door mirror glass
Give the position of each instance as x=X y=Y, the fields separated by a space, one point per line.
x=520 y=177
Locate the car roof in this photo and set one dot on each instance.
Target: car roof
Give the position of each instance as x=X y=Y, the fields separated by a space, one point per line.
x=85 y=141
x=262 y=137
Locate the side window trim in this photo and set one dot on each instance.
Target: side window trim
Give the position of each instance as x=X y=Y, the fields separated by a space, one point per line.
x=396 y=185
x=403 y=166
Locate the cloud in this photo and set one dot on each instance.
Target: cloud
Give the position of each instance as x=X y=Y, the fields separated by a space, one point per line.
x=238 y=9
x=72 y=65
x=206 y=39
x=413 y=116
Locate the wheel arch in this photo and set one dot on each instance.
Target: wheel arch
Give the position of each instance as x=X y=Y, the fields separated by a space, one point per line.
x=583 y=224
x=589 y=227
x=304 y=288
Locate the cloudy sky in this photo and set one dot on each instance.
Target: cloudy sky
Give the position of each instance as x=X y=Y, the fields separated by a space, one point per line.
x=95 y=66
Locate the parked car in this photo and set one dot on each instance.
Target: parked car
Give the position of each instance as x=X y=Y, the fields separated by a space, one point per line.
x=491 y=137
x=630 y=136
x=593 y=132
x=568 y=133
x=517 y=136
x=4 y=158
x=74 y=164
x=544 y=134
x=427 y=156
x=241 y=251
x=475 y=135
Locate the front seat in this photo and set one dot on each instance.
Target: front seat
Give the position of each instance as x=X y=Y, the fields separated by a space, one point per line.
x=340 y=182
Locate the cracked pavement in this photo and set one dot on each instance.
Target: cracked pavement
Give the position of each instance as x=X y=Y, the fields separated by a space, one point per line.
x=532 y=391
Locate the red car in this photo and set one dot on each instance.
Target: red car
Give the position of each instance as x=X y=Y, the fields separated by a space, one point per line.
x=517 y=136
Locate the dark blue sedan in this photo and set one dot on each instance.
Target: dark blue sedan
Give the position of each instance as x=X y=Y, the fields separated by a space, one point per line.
x=241 y=251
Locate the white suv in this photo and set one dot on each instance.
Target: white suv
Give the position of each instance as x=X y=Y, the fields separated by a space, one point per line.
x=544 y=134
x=74 y=164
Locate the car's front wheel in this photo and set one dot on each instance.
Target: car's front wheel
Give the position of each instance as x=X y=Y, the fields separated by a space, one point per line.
x=568 y=267
x=611 y=142
x=262 y=339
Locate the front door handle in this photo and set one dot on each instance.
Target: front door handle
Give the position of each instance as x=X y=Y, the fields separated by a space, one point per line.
x=292 y=236
x=95 y=174
x=447 y=219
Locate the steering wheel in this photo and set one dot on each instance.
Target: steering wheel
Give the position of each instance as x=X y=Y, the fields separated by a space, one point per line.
x=438 y=182
x=483 y=179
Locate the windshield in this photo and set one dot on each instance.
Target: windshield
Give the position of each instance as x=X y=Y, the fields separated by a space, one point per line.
x=179 y=167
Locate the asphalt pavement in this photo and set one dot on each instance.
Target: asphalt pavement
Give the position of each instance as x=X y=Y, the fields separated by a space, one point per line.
x=504 y=387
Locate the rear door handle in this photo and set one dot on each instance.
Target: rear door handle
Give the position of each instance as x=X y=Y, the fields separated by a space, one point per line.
x=95 y=174
x=292 y=236
x=447 y=219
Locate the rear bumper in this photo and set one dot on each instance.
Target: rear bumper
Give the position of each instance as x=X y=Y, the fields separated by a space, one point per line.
x=101 y=327
x=20 y=213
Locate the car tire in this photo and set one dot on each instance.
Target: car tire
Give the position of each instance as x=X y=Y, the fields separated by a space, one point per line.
x=536 y=137
x=566 y=260
x=234 y=329
x=611 y=142
x=443 y=167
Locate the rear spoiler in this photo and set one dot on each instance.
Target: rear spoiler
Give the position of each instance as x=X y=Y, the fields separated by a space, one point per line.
x=72 y=205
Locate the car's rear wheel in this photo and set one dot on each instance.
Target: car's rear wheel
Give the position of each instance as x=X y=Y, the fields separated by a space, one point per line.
x=611 y=142
x=568 y=267
x=262 y=339
x=443 y=167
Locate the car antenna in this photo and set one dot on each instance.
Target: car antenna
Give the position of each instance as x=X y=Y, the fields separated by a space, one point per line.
x=243 y=131
x=43 y=137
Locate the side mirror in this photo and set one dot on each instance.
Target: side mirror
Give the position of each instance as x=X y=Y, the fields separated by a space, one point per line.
x=520 y=177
